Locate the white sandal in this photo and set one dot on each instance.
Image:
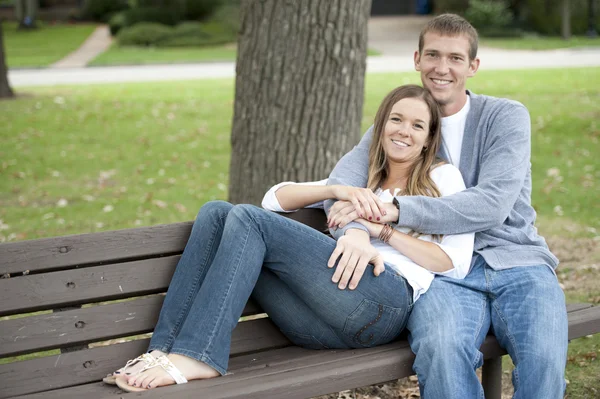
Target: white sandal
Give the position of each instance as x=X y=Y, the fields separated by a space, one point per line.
x=147 y=358
x=161 y=361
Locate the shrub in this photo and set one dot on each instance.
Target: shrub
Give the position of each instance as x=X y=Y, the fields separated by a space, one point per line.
x=165 y=16
x=199 y=9
x=544 y=16
x=144 y=34
x=102 y=10
x=488 y=15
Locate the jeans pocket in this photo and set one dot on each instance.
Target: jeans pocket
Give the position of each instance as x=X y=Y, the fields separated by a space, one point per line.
x=373 y=324
x=303 y=340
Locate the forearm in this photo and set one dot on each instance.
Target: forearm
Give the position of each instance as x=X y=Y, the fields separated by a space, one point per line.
x=351 y=170
x=424 y=253
x=295 y=196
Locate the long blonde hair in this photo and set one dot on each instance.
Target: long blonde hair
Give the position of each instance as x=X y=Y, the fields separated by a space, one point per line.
x=419 y=181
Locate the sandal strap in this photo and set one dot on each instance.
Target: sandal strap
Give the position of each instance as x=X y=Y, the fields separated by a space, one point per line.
x=169 y=367
x=145 y=357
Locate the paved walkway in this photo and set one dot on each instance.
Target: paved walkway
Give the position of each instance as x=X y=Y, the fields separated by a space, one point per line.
x=395 y=37
x=98 y=42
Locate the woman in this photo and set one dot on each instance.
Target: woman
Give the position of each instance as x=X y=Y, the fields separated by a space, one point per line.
x=234 y=251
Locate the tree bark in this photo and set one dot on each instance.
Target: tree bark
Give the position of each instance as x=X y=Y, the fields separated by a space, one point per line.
x=5 y=90
x=299 y=91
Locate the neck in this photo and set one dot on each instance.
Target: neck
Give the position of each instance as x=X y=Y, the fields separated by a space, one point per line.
x=398 y=173
x=455 y=106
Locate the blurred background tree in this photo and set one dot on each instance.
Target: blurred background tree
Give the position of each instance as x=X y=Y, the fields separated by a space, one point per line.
x=5 y=90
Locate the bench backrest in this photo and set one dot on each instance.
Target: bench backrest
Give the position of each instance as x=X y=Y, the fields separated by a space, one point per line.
x=96 y=297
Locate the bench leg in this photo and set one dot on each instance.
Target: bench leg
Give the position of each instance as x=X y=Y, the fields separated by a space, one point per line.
x=492 y=378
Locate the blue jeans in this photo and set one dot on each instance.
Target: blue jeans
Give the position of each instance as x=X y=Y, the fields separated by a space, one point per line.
x=525 y=308
x=234 y=250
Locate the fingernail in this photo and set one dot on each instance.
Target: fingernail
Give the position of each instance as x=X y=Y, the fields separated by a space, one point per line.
x=370 y=218
x=351 y=286
x=378 y=218
x=342 y=287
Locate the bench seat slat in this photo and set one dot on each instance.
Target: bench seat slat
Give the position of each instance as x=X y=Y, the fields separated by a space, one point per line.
x=57 y=253
x=91 y=284
x=81 y=326
x=297 y=373
x=90 y=365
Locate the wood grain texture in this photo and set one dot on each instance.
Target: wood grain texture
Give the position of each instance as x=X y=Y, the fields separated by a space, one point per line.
x=65 y=252
x=84 y=325
x=294 y=372
x=299 y=127
x=91 y=284
x=90 y=365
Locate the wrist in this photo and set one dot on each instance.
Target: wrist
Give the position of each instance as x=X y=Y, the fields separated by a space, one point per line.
x=357 y=233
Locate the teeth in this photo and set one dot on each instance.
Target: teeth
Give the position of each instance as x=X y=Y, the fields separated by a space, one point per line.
x=441 y=82
x=400 y=143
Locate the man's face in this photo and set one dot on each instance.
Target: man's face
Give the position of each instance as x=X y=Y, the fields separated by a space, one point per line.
x=445 y=66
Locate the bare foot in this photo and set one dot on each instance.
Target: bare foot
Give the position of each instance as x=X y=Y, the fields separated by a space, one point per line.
x=191 y=369
x=133 y=370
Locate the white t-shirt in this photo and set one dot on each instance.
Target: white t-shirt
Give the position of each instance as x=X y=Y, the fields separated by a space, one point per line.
x=459 y=247
x=453 y=130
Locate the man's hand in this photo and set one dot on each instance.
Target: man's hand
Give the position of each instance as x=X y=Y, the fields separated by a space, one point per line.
x=367 y=204
x=344 y=212
x=356 y=253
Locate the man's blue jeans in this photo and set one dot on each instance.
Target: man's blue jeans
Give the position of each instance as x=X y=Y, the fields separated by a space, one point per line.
x=235 y=249
x=524 y=307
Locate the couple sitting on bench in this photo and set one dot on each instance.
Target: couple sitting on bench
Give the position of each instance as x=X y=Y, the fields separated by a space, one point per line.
x=411 y=248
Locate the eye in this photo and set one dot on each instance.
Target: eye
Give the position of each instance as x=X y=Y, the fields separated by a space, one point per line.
x=395 y=119
x=419 y=126
x=456 y=58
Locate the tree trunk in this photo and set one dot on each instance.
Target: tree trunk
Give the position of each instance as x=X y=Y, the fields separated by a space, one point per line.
x=566 y=20
x=5 y=90
x=299 y=91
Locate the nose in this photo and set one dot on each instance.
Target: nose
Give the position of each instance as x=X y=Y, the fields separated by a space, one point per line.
x=403 y=129
x=441 y=67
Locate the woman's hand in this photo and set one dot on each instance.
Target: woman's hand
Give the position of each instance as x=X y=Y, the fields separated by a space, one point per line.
x=373 y=228
x=344 y=212
x=356 y=253
x=365 y=201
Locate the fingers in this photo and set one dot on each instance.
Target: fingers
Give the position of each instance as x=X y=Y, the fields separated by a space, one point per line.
x=378 y=266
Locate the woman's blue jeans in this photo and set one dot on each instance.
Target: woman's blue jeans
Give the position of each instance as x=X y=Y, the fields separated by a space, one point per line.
x=524 y=307
x=234 y=250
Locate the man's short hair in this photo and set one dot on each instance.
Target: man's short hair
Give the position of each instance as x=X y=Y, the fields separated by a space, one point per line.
x=451 y=25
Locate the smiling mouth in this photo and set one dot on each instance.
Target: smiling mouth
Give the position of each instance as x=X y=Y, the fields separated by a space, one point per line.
x=441 y=82
x=400 y=143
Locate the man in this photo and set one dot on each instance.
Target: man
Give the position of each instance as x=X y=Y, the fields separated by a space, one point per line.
x=511 y=287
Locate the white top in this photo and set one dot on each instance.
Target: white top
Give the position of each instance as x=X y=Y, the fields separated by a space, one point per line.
x=459 y=247
x=453 y=130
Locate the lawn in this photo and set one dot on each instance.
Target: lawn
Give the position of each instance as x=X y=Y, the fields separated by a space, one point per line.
x=117 y=55
x=43 y=46
x=533 y=42
x=83 y=159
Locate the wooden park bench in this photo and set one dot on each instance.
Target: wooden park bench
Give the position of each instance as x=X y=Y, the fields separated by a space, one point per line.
x=108 y=286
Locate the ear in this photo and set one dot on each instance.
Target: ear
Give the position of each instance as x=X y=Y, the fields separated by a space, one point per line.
x=473 y=67
x=417 y=59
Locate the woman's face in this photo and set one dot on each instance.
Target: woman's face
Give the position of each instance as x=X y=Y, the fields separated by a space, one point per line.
x=406 y=131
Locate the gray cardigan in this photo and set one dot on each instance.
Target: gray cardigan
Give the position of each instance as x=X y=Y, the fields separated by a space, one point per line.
x=495 y=164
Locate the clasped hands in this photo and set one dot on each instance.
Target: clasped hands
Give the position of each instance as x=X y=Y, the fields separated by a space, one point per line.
x=354 y=249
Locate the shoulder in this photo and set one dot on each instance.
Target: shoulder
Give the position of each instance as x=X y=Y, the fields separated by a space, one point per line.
x=447 y=178
x=489 y=105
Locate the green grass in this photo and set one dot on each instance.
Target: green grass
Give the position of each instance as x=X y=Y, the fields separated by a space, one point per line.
x=92 y=158
x=155 y=152
x=540 y=42
x=43 y=46
x=117 y=55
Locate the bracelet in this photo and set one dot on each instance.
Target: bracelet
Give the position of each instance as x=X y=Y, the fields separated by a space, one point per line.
x=386 y=233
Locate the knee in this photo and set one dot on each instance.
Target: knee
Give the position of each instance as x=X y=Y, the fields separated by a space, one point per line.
x=214 y=209
x=245 y=212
